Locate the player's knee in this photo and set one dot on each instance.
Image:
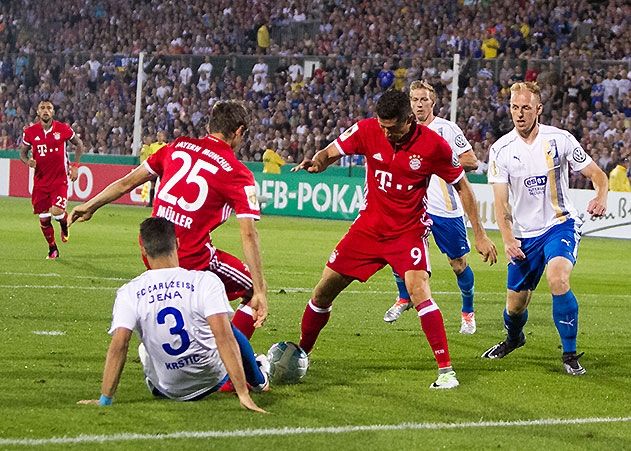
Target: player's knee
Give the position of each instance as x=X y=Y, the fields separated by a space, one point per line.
x=558 y=282
x=458 y=264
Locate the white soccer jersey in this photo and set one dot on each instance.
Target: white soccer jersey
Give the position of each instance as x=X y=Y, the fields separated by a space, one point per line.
x=168 y=307
x=537 y=176
x=442 y=198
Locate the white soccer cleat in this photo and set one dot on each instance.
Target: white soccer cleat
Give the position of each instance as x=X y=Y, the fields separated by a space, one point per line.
x=264 y=366
x=445 y=381
x=394 y=312
x=467 y=324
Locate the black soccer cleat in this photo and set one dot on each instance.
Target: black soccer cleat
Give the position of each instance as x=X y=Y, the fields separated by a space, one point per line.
x=572 y=365
x=503 y=348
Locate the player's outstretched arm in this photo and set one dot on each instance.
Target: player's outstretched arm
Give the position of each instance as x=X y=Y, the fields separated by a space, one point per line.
x=321 y=160
x=598 y=205
x=79 y=149
x=252 y=253
x=504 y=219
x=231 y=358
x=114 y=364
x=112 y=192
x=483 y=244
x=468 y=160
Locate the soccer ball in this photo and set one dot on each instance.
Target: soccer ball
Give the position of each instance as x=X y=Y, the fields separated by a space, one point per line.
x=288 y=363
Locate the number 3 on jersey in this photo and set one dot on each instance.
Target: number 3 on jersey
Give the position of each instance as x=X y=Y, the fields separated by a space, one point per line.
x=193 y=177
x=178 y=329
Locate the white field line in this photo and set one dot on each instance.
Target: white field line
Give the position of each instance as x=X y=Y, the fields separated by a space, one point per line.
x=52 y=274
x=271 y=290
x=245 y=433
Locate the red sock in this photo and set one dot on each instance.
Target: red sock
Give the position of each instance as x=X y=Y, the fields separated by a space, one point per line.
x=47 y=229
x=313 y=321
x=63 y=221
x=434 y=328
x=244 y=321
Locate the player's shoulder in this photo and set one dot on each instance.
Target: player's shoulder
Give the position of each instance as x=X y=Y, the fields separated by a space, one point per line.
x=502 y=145
x=32 y=128
x=551 y=132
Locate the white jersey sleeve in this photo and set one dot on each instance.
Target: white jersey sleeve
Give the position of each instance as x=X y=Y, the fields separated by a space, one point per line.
x=442 y=198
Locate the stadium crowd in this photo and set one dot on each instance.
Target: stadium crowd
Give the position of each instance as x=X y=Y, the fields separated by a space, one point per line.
x=88 y=66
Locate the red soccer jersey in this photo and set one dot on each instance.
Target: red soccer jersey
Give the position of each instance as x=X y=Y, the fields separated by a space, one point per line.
x=49 y=151
x=397 y=179
x=201 y=183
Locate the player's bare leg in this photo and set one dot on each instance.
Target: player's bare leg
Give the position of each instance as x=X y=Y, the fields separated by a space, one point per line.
x=417 y=283
x=318 y=310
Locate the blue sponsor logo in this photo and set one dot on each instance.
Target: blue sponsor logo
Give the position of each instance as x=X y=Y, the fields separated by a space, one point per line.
x=538 y=180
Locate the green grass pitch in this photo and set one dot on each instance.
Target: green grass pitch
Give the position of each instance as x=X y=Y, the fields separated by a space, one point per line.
x=364 y=372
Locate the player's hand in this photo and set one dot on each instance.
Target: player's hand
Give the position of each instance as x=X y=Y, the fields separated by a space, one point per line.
x=597 y=207
x=307 y=165
x=89 y=402
x=258 y=303
x=31 y=163
x=513 y=251
x=486 y=248
x=73 y=173
x=247 y=403
x=79 y=214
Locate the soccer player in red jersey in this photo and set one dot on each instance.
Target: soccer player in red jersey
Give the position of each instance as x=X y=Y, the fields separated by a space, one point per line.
x=201 y=183
x=46 y=141
x=392 y=228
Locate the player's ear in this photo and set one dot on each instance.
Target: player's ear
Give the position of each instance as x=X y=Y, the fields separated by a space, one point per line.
x=143 y=251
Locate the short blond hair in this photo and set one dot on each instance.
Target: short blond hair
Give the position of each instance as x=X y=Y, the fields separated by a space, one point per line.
x=422 y=84
x=531 y=86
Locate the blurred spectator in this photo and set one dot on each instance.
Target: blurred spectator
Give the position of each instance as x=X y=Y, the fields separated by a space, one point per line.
x=618 y=177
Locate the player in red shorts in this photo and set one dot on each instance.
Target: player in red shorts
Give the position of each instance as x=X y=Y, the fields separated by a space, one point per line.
x=201 y=184
x=392 y=227
x=46 y=140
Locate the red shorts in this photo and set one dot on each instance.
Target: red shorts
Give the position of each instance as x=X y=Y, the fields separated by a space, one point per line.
x=360 y=254
x=234 y=274
x=45 y=197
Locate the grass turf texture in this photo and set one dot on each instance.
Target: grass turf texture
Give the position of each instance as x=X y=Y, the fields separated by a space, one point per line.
x=363 y=371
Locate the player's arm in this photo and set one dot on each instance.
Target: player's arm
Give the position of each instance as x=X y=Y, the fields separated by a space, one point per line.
x=24 y=156
x=114 y=364
x=598 y=205
x=79 y=149
x=483 y=244
x=321 y=160
x=504 y=219
x=231 y=357
x=252 y=254
x=114 y=191
x=468 y=160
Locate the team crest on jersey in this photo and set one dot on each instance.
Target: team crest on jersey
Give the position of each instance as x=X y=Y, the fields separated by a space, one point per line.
x=415 y=162
x=551 y=148
x=57 y=136
x=349 y=131
x=333 y=256
x=460 y=141
x=579 y=155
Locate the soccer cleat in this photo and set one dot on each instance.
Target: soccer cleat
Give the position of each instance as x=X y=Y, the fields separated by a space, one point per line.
x=397 y=309
x=227 y=387
x=53 y=253
x=65 y=234
x=467 y=324
x=263 y=363
x=572 y=365
x=445 y=381
x=504 y=348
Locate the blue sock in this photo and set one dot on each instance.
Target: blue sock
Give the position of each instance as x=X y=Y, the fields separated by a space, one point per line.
x=465 y=282
x=403 y=292
x=514 y=325
x=565 y=315
x=253 y=374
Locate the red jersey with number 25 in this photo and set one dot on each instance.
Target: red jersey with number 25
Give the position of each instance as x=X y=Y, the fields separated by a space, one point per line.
x=201 y=183
x=397 y=178
x=49 y=151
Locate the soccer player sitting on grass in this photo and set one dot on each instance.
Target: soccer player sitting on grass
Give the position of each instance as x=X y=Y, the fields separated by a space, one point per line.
x=401 y=157
x=189 y=348
x=541 y=228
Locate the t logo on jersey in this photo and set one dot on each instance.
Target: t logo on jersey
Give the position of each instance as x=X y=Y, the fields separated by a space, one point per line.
x=41 y=149
x=385 y=179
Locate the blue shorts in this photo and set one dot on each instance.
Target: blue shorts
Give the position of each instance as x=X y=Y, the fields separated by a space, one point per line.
x=559 y=241
x=450 y=235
